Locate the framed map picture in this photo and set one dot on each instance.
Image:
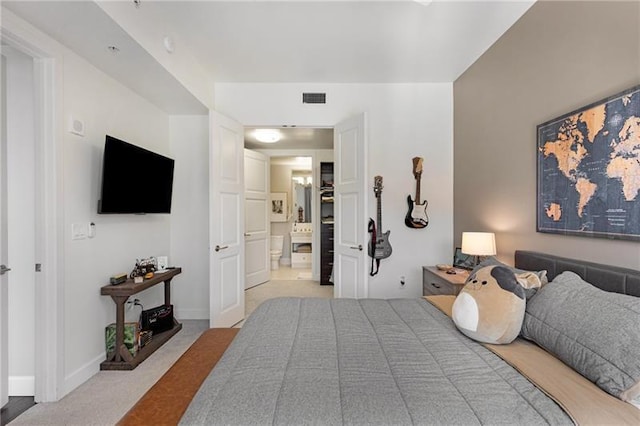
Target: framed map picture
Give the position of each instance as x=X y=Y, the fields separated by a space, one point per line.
x=589 y=170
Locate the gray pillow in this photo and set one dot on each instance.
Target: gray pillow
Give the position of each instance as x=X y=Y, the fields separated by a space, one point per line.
x=595 y=332
x=529 y=292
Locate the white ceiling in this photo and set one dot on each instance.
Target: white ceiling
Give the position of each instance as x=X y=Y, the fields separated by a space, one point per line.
x=337 y=41
x=87 y=30
x=283 y=41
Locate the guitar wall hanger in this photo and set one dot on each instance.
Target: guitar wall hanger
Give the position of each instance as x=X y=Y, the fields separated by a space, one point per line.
x=416 y=217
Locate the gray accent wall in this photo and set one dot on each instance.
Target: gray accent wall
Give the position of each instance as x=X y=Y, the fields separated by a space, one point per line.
x=558 y=57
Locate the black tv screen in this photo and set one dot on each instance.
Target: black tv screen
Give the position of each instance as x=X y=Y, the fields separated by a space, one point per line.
x=134 y=180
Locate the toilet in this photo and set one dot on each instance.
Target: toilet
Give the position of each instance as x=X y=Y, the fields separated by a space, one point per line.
x=277 y=242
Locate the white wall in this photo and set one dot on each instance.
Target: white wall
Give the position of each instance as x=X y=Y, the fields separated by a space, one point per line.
x=106 y=107
x=21 y=236
x=405 y=120
x=190 y=216
x=501 y=98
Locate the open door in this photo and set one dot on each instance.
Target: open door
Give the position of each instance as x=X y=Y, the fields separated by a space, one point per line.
x=4 y=293
x=256 y=214
x=350 y=195
x=226 y=226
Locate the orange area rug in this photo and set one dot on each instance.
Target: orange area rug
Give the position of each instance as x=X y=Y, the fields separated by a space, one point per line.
x=168 y=399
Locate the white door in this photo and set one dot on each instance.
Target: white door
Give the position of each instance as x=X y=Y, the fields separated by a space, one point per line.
x=226 y=227
x=4 y=305
x=256 y=218
x=350 y=196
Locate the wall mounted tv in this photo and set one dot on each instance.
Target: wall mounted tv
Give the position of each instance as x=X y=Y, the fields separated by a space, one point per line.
x=134 y=180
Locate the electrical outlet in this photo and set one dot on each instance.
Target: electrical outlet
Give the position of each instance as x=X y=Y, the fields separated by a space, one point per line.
x=402 y=281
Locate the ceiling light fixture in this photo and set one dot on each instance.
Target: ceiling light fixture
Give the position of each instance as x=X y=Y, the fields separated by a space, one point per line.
x=267 y=135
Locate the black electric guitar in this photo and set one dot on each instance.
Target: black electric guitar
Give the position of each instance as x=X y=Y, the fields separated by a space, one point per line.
x=379 y=247
x=417 y=215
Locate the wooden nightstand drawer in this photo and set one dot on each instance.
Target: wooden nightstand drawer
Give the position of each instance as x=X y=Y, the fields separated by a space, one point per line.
x=436 y=282
x=433 y=287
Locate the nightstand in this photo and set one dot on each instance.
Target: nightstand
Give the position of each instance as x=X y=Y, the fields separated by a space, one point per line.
x=435 y=281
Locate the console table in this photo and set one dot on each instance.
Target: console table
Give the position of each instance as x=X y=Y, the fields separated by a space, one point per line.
x=121 y=358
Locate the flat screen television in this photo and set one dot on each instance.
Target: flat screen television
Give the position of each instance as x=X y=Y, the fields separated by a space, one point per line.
x=134 y=180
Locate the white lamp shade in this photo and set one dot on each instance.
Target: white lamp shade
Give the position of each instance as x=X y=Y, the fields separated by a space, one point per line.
x=479 y=243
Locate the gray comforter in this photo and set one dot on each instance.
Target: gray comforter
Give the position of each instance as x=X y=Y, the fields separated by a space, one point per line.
x=344 y=361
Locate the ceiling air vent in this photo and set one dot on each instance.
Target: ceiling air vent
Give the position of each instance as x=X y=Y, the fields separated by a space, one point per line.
x=314 y=98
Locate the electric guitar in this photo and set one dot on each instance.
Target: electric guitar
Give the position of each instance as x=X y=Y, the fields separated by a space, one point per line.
x=417 y=215
x=379 y=247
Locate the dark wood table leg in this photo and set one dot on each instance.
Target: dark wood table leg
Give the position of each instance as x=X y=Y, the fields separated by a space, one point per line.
x=119 y=301
x=167 y=291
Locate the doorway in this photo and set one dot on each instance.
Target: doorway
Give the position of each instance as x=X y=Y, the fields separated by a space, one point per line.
x=45 y=378
x=20 y=205
x=292 y=232
x=294 y=162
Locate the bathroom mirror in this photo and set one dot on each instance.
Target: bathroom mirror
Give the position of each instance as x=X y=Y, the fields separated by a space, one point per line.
x=302 y=195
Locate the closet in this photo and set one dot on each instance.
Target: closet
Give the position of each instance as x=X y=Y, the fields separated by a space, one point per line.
x=326 y=223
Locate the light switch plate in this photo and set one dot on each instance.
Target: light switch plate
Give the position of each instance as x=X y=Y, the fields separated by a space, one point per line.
x=79 y=231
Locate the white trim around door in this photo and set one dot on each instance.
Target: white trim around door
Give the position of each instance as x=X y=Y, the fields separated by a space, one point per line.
x=49 y=336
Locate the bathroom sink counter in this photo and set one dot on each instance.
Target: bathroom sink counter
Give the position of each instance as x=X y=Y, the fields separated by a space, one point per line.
x=301 y=248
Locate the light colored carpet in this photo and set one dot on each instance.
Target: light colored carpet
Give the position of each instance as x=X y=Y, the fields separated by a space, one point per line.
x=107 y=396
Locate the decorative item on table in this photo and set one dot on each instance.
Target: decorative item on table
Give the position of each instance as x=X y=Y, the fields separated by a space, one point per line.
x=157 y=319
x=143 y=268
x=144 y=337
x=478 y=244
x=461 y=260
x=118 y=279
x=131 y=331
x=162 y=262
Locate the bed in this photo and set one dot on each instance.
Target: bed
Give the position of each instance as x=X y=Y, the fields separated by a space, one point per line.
x=403 y=361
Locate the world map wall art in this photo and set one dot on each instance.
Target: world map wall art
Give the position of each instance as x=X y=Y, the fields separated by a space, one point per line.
x=589 y=170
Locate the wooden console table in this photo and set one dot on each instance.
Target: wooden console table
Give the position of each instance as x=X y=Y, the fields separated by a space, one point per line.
x=121 y=358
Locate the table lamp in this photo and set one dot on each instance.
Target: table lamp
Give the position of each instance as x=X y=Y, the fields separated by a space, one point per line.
x=478 y=244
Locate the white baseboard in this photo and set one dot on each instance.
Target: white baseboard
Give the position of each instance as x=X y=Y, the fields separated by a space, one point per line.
x=82 y=374
x=22 y=385
x=192 y=314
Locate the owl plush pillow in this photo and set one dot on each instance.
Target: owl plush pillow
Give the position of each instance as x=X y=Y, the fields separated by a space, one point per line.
x=490 y=308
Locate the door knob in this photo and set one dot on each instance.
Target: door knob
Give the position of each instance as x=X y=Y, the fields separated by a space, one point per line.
x=218 y=248
x=358 y=247
x=4 y=269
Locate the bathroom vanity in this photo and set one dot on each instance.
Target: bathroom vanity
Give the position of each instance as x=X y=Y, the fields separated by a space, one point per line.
x=301 y=245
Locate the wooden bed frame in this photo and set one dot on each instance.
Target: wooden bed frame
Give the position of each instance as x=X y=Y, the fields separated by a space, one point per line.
x=168 y=399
